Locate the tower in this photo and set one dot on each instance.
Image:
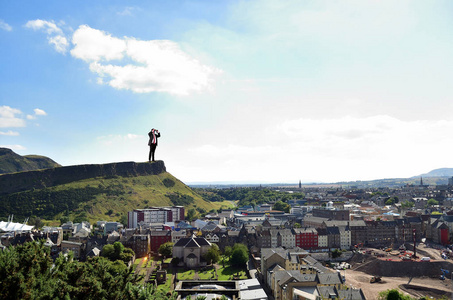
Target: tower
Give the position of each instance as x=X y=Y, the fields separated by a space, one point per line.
x=300 y=184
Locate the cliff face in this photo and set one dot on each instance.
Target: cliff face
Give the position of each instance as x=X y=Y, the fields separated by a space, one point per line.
x=17 y=182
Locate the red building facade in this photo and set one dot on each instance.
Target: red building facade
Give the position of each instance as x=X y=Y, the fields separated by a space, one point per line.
x=158 y=238
x=306 y=238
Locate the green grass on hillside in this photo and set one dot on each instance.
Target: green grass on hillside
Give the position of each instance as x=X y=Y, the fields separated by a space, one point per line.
x=106 y=199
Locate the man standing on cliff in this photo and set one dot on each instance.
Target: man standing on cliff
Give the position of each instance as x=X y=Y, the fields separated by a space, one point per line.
x=153 y=135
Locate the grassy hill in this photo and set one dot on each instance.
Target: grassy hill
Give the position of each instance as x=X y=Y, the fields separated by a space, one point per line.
x=11 y=162
x=99 y=198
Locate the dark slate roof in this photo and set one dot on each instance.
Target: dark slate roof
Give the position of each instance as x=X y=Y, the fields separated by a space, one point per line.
x=389 y=223
x=321 y=231
x=351 y=294
x=192 y=244
x=327 y=292
x=329 y=278
x=447 y=218
x=202 y=241
x=333 y=230
x=191 y=255
x=210 y=226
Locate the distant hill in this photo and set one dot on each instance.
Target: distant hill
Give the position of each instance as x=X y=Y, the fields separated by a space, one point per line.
x=11 y=162
x=95 y=192
x=443 y=172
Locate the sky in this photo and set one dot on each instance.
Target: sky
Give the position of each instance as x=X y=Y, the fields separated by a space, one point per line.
x=241 y=91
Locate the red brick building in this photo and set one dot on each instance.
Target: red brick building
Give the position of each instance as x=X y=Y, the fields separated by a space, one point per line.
x=306 y=238
x=158 y=238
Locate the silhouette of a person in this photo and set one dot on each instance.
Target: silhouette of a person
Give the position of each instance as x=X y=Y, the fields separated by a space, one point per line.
x=153 y=135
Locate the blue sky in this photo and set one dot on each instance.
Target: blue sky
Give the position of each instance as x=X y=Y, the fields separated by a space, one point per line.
x=257 y=91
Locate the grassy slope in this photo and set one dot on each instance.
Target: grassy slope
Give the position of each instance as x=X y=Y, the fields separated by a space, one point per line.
x=11 y=162
x=140 y=192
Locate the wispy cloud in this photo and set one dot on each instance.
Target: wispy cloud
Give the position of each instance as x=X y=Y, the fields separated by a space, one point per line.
x=9 y=133
x=55 y=35
x=141 y=66
x=38 y=112
x=127 y=11
x=14 y=147
x=112 y=139
x=5 y=26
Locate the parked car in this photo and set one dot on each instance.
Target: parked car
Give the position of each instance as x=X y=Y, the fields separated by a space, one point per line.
x=425 y=259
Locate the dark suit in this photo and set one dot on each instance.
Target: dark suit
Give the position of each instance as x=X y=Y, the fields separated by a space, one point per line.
x=152 y=143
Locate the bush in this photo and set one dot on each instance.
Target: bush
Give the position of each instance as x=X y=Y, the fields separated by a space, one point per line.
x=168 y=183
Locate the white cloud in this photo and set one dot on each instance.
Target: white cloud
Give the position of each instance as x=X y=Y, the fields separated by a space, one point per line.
x=116 y=139
x=95 y=45
x=345 y=148
x=55 y=35
x=49 y=27
x=127 y=11
x=8 y=117
x=14 y=147
x=9 y=133
x=141 y=66
x=39 y=112
x=5 y=26
x=59 y=42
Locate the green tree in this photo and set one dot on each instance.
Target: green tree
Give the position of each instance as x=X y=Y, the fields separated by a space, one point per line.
x=64 y=219
x=297 y=225
x=239 y=255
x=117 y=251
x=228 y=251
x=432 y=202
x=282 y=206
x=390 y=201
x=166 y=249
x=123 y=220
x=108 y=251
x=393 y=294
x=336 y=253
x=28 y=272
x=191 y=214
x=212 y=256
x=407 y=204
x=35 y=221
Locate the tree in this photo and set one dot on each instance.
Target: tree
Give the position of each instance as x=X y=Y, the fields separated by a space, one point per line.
x=108 y=251
x=336 y=253
x=239 y=256
x=282 y=206
x=117 y=251
x=390 y=201
x=297 y=225
x=64 y=219
x=432 y=202
x=393 y=294
x=228 y=251
x=407 y=204
x=123 y=220
x=166 y=249
x=36 y=221
x=28 y=272
x=191 y=214
x=213 y=254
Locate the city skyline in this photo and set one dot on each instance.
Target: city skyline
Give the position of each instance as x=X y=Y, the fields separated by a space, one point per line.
x=255 y=91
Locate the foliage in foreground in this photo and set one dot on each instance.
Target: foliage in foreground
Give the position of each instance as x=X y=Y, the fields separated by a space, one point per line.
x=395 y=294
x=28 y=272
